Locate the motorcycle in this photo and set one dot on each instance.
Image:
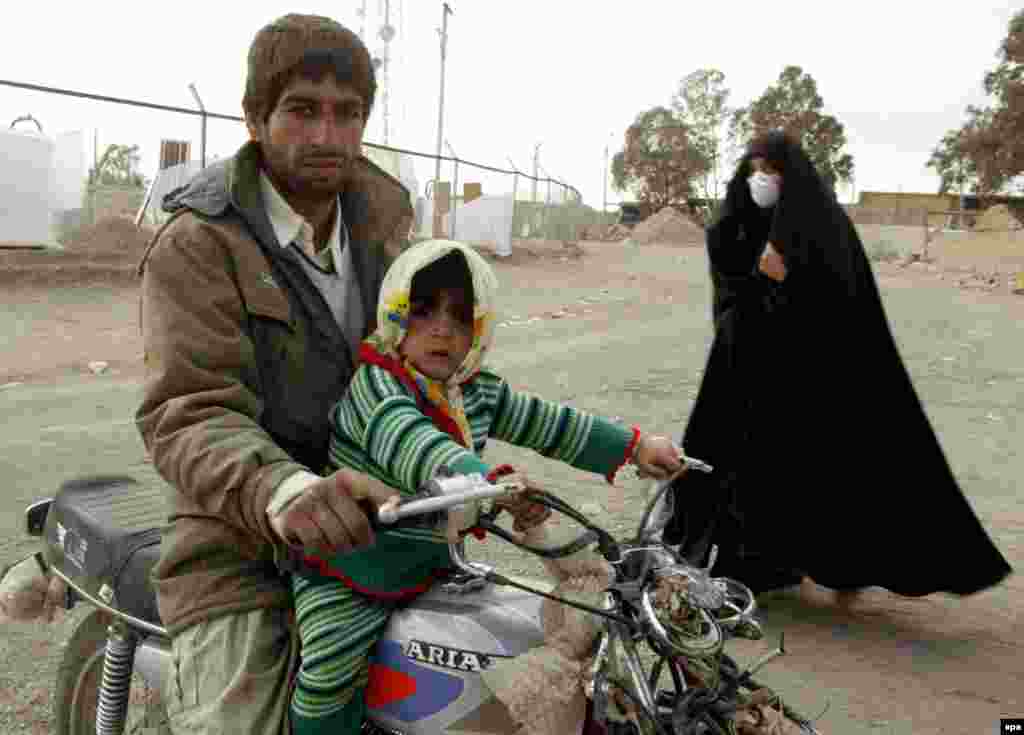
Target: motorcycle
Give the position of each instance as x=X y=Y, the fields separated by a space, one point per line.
x=101 y=536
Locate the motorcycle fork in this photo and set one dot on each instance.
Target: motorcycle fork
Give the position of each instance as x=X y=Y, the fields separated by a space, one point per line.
x=116 y=684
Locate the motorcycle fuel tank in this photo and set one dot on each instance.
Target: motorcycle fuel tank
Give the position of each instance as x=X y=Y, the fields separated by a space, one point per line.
x=425 y=673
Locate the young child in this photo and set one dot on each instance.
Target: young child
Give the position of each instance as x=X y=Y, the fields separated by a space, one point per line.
x=419 y=400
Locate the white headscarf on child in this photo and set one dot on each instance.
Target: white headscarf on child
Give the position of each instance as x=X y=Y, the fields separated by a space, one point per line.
x=393 y=322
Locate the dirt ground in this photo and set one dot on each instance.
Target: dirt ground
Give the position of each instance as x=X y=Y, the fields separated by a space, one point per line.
x=963 y=257
x=622 y=331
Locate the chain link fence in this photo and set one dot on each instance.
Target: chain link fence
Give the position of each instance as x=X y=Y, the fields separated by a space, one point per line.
x=480 y=204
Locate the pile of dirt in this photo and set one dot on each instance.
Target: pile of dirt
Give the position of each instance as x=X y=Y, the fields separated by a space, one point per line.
x=111 y=236
x=997 y=218
x=106 y=253
x=667 y=227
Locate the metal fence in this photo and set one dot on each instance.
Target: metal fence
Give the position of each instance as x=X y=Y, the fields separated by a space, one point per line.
x=453 y=197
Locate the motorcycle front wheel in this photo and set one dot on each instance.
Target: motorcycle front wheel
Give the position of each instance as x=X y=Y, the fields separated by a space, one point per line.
x=78 y=686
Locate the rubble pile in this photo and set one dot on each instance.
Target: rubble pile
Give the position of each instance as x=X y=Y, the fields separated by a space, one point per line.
x=110 y=236
x=667 y=227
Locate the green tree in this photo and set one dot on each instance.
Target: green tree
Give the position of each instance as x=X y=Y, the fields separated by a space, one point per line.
x=701 y=103
x=118 y=166
x=987 y=152
x=972 y=159
x=1006 y=84
x=659 y=162
x=794 y=104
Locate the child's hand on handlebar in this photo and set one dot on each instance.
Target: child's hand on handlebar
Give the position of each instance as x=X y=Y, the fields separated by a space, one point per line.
x=527 y=515
x=657 y=457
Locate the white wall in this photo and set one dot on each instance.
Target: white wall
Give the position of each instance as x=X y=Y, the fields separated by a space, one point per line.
x=487 y=219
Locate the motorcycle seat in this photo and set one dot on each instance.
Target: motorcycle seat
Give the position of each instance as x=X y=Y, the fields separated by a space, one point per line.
x=104 y=532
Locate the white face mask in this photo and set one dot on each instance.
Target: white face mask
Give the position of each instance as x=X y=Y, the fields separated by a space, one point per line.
x=765 y=189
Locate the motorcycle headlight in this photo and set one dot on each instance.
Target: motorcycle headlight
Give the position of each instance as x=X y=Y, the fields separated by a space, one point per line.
x=686 y=629
x=693 y=585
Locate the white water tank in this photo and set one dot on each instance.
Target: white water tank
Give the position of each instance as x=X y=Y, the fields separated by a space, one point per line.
x=27 y=184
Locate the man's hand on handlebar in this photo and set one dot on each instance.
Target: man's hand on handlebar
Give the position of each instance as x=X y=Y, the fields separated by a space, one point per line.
x=330 y=516
x=657 y=457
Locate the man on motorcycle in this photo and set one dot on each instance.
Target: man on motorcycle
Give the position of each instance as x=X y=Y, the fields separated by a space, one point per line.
x=255 y=296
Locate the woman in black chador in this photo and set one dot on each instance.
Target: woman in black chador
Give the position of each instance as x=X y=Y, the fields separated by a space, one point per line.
x=826 y=465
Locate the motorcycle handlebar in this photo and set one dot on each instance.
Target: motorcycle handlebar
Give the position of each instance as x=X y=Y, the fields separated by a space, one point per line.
x=447 y=491
x=441 y=494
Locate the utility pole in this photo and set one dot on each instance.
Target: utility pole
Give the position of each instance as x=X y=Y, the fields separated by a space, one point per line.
x=443 y=30
x=440 y=105
x=515 y=183
x=536 y=165
x=362 y=22
x=387 y=35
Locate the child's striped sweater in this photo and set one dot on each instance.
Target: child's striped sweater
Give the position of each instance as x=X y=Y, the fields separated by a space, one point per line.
x=378 y=428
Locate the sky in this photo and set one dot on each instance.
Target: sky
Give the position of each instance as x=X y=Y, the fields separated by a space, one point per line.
x=570 y=75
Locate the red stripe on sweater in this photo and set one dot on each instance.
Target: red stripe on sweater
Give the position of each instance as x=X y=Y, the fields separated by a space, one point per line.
x=610 y=477
x=325 y=570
